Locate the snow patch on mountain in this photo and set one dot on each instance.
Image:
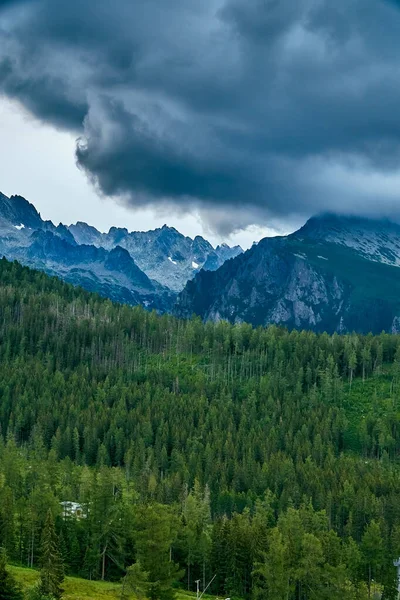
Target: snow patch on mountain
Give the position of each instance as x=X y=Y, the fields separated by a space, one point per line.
x=165 y=255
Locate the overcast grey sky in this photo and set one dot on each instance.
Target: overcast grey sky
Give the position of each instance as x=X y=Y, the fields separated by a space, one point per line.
x=38 y=162
x=221 y=114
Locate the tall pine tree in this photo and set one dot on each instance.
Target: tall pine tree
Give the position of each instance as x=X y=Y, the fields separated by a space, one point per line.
x=156 y=531
x=52 y=569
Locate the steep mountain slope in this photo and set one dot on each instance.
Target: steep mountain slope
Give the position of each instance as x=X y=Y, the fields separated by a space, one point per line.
x=113 y=273
x=135 y=267
x=164 y=254
x=331 y=275
x=19 y=217
x=336 y=273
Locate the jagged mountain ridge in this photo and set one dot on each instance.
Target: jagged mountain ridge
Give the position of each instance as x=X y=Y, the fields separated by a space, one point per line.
x=336 y=273
x=164 y=254
x=105 y=263
x=25 y=237
x=113 y=273
x=19 y=213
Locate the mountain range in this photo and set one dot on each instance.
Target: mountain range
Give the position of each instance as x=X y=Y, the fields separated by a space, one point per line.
x=164 y=254
x=147 y=268
x=336 y=273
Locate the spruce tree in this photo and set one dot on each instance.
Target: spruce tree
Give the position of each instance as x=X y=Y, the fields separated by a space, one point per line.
x=135 y=581
x=271 y=574
x=9 y=589
x=156 y=531
x=52 y=569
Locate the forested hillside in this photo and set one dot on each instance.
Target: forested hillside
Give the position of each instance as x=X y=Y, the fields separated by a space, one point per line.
x=265 y=457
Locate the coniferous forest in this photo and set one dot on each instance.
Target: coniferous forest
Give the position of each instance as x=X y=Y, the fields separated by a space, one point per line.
x=263 y=459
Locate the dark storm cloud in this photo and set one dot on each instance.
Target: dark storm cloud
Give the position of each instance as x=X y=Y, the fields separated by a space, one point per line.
x=246 y=111
x=45 y=96
x=144 y=159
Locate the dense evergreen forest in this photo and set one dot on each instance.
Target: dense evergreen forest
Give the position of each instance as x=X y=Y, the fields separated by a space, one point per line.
x=267 y=458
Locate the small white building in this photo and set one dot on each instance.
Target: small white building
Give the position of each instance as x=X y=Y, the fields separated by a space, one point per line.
x=73 y=510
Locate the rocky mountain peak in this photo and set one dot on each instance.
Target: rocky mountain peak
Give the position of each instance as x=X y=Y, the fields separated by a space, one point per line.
x=18 y=211
x=84 y=233
x=119 y=260
x=118 y=231
x=166 y=232
x=337 y=273
x=328 y=225
x=374 y=239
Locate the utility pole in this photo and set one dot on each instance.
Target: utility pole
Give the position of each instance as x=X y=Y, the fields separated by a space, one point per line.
x=206 y=588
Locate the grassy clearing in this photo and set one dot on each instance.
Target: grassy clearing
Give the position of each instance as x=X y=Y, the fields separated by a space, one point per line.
x=75 y=589
x=81 y=589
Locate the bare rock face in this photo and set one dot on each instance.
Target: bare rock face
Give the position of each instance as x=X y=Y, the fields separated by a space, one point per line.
x=164 y=254
x=373 y=239
x=319 y=278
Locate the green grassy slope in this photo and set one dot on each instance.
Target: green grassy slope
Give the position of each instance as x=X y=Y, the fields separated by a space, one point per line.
x=75 y=589
x=82 y=589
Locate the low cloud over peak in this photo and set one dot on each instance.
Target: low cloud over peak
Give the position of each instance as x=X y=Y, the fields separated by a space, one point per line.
x=246 y=112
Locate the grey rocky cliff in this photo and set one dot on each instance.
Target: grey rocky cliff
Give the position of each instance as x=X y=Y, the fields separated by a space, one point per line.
x=314 y=279
x=377 y=240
